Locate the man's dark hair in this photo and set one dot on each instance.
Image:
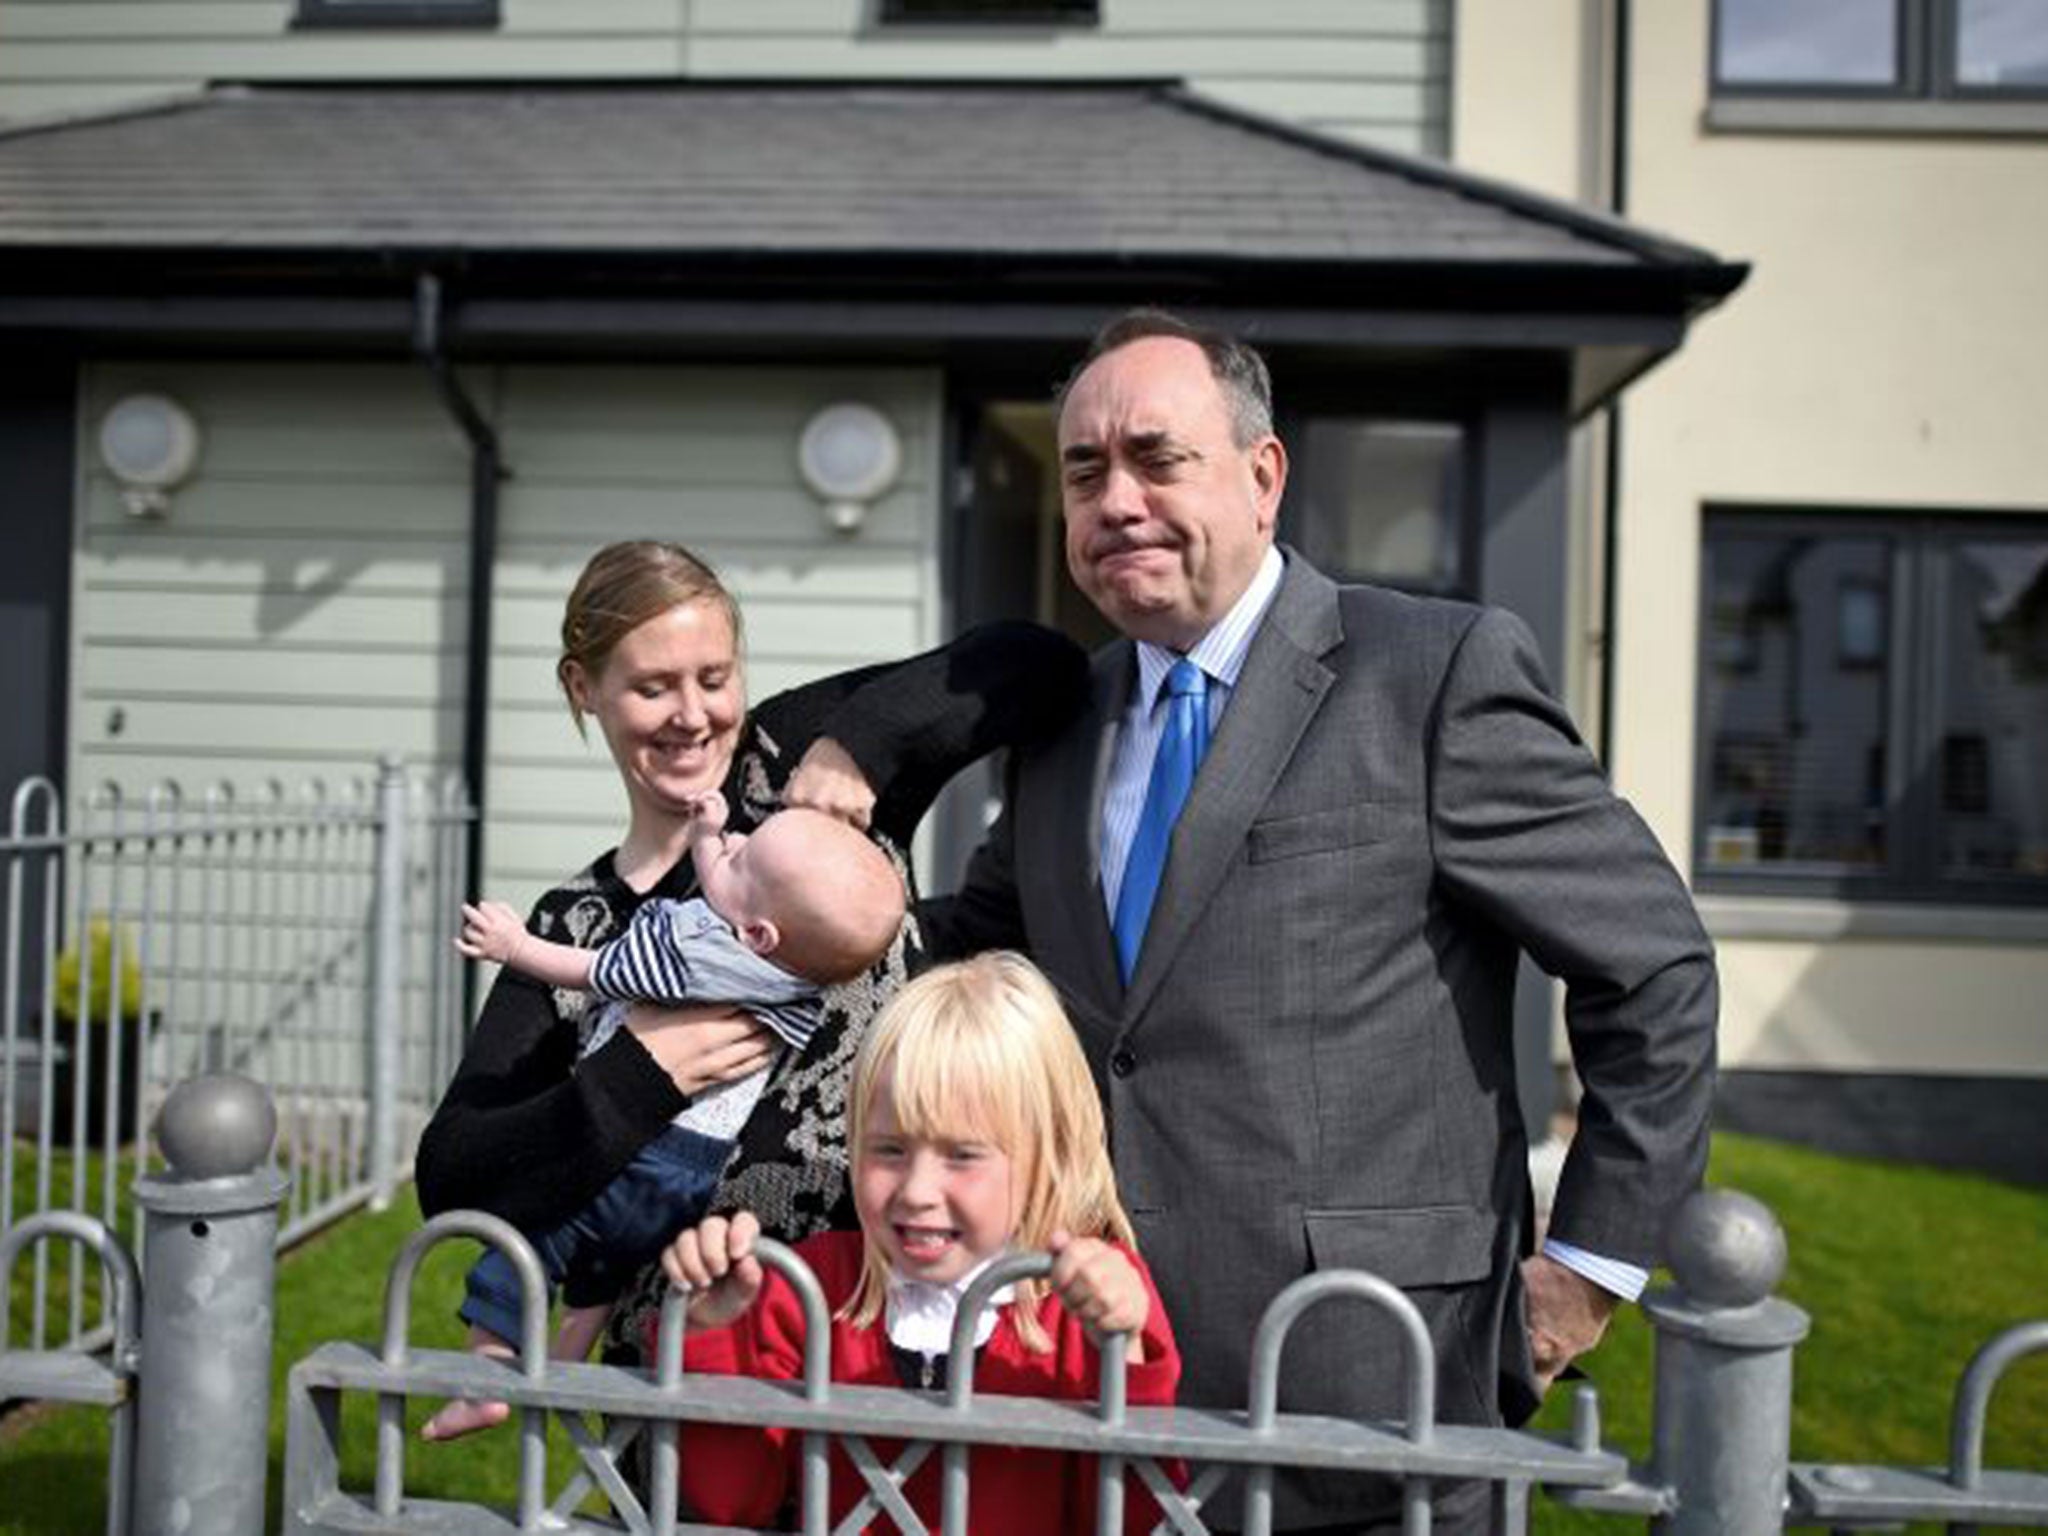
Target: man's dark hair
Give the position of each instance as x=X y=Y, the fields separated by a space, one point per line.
x=1239 y=371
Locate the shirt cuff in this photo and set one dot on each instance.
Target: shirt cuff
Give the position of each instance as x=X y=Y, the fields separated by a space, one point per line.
x=1623 y=1280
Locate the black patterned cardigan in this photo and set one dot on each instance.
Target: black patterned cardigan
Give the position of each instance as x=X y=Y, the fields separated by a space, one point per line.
x=530 y=1133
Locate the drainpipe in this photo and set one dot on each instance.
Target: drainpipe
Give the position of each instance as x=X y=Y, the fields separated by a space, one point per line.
x=485 y=472
x=1610 y=532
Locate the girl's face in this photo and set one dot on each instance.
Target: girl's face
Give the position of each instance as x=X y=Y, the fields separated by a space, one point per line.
x=936 y=1205
x=669 y=701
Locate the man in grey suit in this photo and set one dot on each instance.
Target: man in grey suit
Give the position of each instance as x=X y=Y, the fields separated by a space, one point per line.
x=1305 y=1045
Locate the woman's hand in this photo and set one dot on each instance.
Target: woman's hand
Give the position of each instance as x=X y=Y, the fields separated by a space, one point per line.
x=829 y=780
x=701 y=1046
x=1101 y=1288
x=715 y=1262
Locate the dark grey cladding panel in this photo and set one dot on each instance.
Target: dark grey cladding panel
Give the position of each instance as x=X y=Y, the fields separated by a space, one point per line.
x=1127 y=172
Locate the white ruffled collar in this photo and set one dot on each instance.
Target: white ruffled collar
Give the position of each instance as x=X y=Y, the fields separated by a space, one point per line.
x=919 y=1315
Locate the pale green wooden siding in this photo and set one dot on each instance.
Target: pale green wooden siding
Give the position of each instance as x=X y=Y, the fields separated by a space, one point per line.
x=705 y=457
x=303 y=608
x=1376 y=70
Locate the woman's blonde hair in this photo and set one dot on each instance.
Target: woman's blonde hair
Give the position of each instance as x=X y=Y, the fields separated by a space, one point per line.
x=623 y=586
x=982 y=1049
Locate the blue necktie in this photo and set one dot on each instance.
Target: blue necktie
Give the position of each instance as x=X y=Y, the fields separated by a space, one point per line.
x=1181 y=745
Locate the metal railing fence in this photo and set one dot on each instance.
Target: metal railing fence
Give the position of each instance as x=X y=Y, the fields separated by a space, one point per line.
x=296 y=937
x=1721 y=1408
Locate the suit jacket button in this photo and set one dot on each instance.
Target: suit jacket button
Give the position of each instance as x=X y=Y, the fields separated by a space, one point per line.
x=1123 y=1063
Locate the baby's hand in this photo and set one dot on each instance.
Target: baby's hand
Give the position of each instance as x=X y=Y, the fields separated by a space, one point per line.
x=708 y=813
x=715 y=1261
x=490 y=931
x=1101 y=1287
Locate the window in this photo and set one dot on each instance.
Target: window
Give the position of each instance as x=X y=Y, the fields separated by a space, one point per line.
x=1873 y=707
x=396 y=13
x=1380 y=500
x=1881 y=48
x=1065 y=12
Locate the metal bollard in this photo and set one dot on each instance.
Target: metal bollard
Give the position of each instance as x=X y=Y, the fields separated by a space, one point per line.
x=209 y=1248
x=1724 y=1370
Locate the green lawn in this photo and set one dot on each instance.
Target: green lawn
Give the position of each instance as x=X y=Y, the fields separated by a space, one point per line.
x=67 y=1176
x=1906 y=1271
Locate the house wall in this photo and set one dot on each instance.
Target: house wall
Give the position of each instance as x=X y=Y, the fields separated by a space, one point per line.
x=1369 y=69
x=1887 y=351
x=302 y=608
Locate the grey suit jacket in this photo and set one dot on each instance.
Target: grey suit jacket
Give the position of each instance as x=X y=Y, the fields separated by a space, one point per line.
x=1313 y=1065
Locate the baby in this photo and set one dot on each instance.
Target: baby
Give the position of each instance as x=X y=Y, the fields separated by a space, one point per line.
x=802 y=902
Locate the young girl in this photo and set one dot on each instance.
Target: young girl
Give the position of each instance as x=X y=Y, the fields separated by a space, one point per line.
x=976 y=1132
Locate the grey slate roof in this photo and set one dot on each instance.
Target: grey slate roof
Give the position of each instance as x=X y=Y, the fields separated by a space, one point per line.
x=1127 y=173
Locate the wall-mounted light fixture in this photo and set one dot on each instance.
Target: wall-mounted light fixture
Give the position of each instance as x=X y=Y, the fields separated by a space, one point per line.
x=149 y=443
x=849 y=455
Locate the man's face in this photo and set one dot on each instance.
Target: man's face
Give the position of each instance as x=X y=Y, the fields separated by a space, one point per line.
x=1167 y=517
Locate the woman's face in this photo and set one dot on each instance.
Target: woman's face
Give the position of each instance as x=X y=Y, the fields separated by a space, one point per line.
x=669 y=701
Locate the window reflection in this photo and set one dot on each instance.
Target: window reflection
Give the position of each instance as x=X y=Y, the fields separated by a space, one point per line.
x=1794 y=702
x=1994 y=705
x=1812 y=42
x=2002 y=44
x=1382 y=500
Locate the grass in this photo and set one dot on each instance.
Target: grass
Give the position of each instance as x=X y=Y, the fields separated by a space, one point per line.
x=53 y=1459
x=60 y=1263
x=1905 y=1271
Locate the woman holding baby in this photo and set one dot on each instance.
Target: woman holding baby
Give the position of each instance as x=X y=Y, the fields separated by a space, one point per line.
x=651 y=650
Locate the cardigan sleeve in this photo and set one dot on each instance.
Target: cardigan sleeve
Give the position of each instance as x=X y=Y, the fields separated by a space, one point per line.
x=912 y=725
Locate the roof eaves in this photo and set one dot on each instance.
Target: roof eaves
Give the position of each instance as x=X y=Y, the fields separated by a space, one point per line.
x=1581 y=221
x=90 y=117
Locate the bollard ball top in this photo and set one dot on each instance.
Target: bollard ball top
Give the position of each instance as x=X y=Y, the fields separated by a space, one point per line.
x=216 y=1126
x=1725 y=1248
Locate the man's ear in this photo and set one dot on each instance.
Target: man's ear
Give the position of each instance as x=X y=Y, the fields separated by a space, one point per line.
x=760 y=935
x=1269 y=479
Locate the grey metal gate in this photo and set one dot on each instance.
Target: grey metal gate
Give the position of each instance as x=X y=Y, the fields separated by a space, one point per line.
x=1721 y=1408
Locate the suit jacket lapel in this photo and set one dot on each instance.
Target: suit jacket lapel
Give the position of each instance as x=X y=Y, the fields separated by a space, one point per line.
x=1277 y=694
x=1069 y=818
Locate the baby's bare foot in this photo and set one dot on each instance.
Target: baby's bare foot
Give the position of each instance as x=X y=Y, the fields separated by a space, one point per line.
x=463 y=1416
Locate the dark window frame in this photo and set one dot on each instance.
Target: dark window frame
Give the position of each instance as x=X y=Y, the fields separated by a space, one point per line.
x=1922 y=545
x=996 y=13
x=1929 y=46
x=316 y=14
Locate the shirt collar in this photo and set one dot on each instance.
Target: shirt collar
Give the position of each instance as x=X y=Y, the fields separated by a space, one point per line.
x=1221 y=652
x=919 y=1315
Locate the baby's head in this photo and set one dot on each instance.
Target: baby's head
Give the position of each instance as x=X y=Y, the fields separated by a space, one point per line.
x=975 y=1129
x=807 y=890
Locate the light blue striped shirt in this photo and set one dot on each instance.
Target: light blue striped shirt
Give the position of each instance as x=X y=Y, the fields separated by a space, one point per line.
x=1220 y=654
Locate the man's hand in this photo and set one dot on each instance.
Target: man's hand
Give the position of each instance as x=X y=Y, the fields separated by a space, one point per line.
x=1567 y=1315
x=829 y=780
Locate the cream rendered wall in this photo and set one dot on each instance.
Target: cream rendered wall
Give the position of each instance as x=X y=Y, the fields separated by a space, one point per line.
x=303 y=607
x=1890 y=349
x=1371 y=69
x=1529 y=108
